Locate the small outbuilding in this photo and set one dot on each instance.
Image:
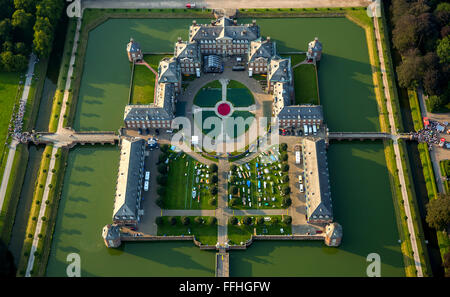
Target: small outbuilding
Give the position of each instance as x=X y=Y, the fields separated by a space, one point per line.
x=333 y=234
x=111 y=235
x=314 y=50
x=134 y=51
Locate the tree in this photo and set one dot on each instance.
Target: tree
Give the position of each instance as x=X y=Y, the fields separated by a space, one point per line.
x=287 y=220
x=198 y=220
x=27 y=5
x=443 y=49
x=162 y=168
x=274 y=220
x=173 y=220
x=234 y=201
x=404 y=35
x=435 y=103
x=8 y=46
x=233 y=220
x=283 y=147
x=286 y=202
x=442 y=13
x=185 y=220
x=411 y=69
x=234 y=190
x=21 y=48
x=7 y=61
x=285 y=178
x=285 y=167
x=213 y=168
x=260 y=220
x=438 y=212
x=233 y=179
x=446 y=264
x=247 y=221
x=213 y=190
x=233 y=168
x=212 y=201
x=165 y=148
x=163 y=157
x=5 y=30
x=212 y=221
x=161 y=179
x=42 y=43
x=159 y=221
x=286 y=190
x=22 y=20
x=161 y=191
x=160 y=202
x=214 y=179
x=284 y=157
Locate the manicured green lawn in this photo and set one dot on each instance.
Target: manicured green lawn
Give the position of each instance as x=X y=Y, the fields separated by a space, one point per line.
x=259 y=197
x=305 y=83
x=445 y=171
x=239 y=95
x=8 y=90
x=295 y=59
x=205 y=233
x=182 y=180
x=144 y=80
x=242 y=233
x=208 y=97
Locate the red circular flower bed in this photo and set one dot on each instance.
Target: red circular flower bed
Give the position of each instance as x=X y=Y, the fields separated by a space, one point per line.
x=223 y=109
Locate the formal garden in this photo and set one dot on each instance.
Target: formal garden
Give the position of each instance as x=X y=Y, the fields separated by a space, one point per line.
x=241 y=228
x=203 y=228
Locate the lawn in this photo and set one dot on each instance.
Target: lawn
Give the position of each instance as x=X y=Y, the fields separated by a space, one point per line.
x=295 y=59
x=205 y=233
x=305 y=83
x=445 y=171
x=182 y=180
x=8 y=91
x=239 y=95
x=144 y=80
x=242 y=233
x=262 y=196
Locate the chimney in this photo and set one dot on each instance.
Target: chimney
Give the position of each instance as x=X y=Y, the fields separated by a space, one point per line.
x=243 y=32
x=212 y=22
x=316 y=38
x=235 y=22
x=194 y=22
x=268 y=38
x=254 y=22
x=179 y=39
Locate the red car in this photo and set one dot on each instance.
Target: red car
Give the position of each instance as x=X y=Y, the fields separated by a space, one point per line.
x=190 y=5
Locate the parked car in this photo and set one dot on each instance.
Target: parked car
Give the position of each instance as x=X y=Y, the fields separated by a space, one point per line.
x=147 y=175
x=190 y=5
x=146 y=185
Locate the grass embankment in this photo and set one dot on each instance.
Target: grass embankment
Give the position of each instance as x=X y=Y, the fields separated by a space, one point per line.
x=364 y=21
x=51 y=212
x=242 y=233
x=35 y=208
x=428 y=174
x=445 y=172
x=305 y=84
x=205 y=232
x=19 y=166
x=62 y=79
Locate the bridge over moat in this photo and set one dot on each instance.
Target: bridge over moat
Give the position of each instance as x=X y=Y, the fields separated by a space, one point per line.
x=366 y=136
x=69 y=138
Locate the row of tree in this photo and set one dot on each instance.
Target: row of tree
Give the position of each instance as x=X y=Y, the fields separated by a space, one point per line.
x=247 y=220
x=421 y=35
x=27 y=25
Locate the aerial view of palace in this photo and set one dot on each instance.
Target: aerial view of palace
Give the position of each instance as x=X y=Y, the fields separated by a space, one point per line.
x=177 y=138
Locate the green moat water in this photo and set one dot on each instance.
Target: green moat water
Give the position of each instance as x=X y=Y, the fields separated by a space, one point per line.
x=362 y=200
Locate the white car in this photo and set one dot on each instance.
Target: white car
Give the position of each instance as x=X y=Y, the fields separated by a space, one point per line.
x=146 y=186
x=147 y=175
x=301 y=188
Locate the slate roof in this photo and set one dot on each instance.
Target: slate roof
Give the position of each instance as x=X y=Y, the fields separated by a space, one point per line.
x=133 y=46
x=223 y=28
x=187 y=50
x=334 y=231
x=169 y=71
x=315 y=45
x=129 y=181
x=161 y=109
x=317 y=182
x=261 y=49
x=280 y=69
x=111 y=232
x=301 y=112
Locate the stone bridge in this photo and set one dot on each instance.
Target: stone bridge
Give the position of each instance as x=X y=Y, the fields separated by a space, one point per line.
x=69 y=138
x=366 y=136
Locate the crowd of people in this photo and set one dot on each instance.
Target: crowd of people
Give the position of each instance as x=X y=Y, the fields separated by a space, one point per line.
x=429 y=134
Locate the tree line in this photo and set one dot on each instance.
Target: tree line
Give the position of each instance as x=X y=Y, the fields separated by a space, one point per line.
x=421 y=35
x=25 y=26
